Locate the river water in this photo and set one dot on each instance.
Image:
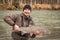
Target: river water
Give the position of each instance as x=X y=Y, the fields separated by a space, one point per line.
x=46 y=19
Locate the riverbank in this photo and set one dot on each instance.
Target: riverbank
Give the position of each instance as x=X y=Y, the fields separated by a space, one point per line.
x=35 y=6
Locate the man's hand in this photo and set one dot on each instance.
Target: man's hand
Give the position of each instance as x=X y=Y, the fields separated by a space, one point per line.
x=16 y=28
x=36 y=32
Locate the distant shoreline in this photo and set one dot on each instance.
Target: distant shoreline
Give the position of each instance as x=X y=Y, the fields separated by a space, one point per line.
x=35 y=6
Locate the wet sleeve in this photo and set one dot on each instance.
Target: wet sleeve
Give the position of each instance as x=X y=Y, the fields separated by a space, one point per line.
x=10 y=19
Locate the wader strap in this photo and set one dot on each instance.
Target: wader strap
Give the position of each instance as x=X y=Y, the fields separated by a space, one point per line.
x=22 y=21
x=28 y=23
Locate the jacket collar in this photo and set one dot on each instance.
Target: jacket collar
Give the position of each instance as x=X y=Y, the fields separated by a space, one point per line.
x=25 y=17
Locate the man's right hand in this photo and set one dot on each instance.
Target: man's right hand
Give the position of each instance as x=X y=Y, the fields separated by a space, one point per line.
x=16 y=28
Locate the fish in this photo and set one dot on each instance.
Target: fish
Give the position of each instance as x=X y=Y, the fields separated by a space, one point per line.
x=30 y=29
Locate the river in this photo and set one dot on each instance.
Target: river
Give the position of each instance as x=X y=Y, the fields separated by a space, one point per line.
x=45 y=19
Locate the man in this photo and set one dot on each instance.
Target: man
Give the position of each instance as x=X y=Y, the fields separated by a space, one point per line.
x=20 y=20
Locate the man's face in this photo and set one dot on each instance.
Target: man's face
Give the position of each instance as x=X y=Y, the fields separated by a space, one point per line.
x=26 y=12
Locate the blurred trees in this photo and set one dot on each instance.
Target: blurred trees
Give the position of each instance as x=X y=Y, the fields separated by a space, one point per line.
x=34 y=3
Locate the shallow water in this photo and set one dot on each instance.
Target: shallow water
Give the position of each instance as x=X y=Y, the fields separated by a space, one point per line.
x=46 y=19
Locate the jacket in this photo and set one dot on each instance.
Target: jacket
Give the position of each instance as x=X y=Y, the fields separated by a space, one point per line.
x=19 y=19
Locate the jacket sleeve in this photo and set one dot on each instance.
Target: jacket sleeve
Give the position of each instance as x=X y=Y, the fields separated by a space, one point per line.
x=31 y=21
x=10 y=19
